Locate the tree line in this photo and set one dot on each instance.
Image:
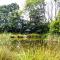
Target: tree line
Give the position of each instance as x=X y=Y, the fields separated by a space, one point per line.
x=12 y=21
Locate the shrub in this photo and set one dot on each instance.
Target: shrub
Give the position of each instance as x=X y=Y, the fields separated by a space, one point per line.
x=55 y=27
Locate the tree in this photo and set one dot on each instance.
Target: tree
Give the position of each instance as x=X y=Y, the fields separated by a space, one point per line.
x=9 y=16
x=30 y=3
x=36 y=10
x=55 y=27
x=55 y=8
x=58 y=15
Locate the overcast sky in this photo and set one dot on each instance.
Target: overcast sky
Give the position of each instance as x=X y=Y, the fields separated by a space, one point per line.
x=21 y=3
x=6 y=2
x=50 y=8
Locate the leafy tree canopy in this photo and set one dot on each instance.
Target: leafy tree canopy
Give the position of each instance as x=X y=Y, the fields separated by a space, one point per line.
x=32 y=2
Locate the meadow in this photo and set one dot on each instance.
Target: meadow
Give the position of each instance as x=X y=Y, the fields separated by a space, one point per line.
x=18 y=47
x=32 y=33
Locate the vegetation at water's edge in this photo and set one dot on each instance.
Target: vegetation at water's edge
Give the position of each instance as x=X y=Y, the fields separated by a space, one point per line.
x=35 y=39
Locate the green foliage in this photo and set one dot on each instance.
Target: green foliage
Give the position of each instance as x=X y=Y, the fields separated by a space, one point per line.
x=55 y=27
x=9 y=8
x=11 y=20
x=30 y=3
x=29 y=50
x=38 y=22
x=37 y=14
x=58 y=16
x=9 y=17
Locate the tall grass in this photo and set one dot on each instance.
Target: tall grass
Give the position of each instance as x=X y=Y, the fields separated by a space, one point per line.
x=35 y=53
x=16 y=51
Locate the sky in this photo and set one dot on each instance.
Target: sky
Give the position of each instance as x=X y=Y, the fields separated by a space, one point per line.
x=21 y=3
x=50 y=9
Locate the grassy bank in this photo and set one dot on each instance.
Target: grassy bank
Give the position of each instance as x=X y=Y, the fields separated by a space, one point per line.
x=29 y=47
x=51 y=52
x=11 y=36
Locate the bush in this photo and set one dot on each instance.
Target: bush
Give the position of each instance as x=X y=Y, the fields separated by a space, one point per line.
x=44 y=28
x=55 y=27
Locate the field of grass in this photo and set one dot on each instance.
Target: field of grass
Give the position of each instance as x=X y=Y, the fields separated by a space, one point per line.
x=18 y=47
x=11 y=36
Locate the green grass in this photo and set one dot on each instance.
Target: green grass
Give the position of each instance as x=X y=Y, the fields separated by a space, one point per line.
x=11 y=49
x=7 y=36
x=30 y=54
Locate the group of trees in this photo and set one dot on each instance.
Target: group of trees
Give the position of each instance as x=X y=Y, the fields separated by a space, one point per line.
x=12 y=21
x=37 y=17
x=8 y=17
x=54 y=26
